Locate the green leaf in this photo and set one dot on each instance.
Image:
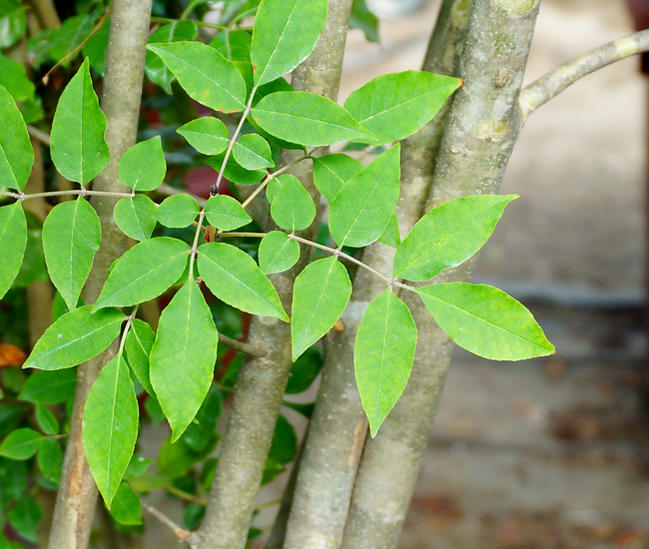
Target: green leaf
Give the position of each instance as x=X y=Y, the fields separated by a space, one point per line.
x=178 y=211
x=277 y=252
x=307 y=118
x=174 y=460
x=144 y=272
x=233 y=44
x=95 y=49
x=183 y=357
x=21 y=444
x=44 y=387
x=136 y=217
x=284 y=34
x=252 y=152
x=204 y=74
x=61 y=41
x=155 y=69
x=485 y=321
x=233 y=276
x=78 y=148
x=143 y=167
x=16 y=153
x=362 y=209
x=75 y=337
x=320 y=295
x=304 y=371
x=13 y=241
x=363 y=19
x=226 y=213
x=137 y=466
x=448 y=235
x=394 y=106
x=139 y=342
x=110 y=426
x=384 y=351
x=391 y=237
x=126 y=508
x=202 y=431
x=71 y=237
x=283 y=447
x=292 y=208
x=208 y=135
x=46 y=420
x=25 y=516
x=50 y=459
x=332 y=172
x=14 y=78
x=234 y=172
x=13 y=22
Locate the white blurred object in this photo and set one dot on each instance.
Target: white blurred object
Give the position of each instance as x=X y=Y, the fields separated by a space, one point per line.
x=393 y=8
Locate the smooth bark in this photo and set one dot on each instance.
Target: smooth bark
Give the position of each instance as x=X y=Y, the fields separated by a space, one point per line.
x=261 y=383
x=338 y=428
x=129 y=30
x=483 y=125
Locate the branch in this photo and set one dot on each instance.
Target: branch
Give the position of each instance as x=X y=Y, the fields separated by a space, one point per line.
x=262 y=381
x=181 y=533
x=40 y=135
x=553 y=83
x=129 y=32
x=242 y=346
x=469 y=162
x=338 y=426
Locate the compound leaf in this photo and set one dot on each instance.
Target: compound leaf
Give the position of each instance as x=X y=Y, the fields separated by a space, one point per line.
x=448 y=235
x=178 y=211
x=78 y=148
x=176 y=31
x=16 y=153
x=183 y=357
x=13 y=241
x=252 y=152
x=485 y=321
x=292 y=207
x=284 y=34
x=204 y=74
x=307 y=118
x=139 y=341
x=110 y=426
x=144 y=272
x=208 y=135
x=277 y=252
x=226 y=213
x=21 y=444
x=332 y=172
x=75 y=337
x=362 y=209
x=143 y=167
x=384 y=351
x=320 y=295
x=136 y=217
x=71 y=238
x=234 y=277
x=394 y=106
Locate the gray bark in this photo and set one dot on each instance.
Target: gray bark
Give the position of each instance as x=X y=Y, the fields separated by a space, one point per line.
x=483 y=125
x=261 y=383
x=129 y=31
x=338 y=428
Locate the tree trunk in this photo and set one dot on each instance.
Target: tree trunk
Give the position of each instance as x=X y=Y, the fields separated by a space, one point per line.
x=129 y=32
x=261 y=383
x=484 y=123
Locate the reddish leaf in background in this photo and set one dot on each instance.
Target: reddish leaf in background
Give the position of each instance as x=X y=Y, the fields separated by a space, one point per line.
x=10 y=355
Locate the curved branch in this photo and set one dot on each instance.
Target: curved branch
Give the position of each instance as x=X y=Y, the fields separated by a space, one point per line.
x=553 y=83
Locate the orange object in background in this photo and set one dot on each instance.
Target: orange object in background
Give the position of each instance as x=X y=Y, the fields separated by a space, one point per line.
x=10 y=355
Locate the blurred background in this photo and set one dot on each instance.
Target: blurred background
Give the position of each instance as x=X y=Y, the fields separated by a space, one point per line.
x=550 y=453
